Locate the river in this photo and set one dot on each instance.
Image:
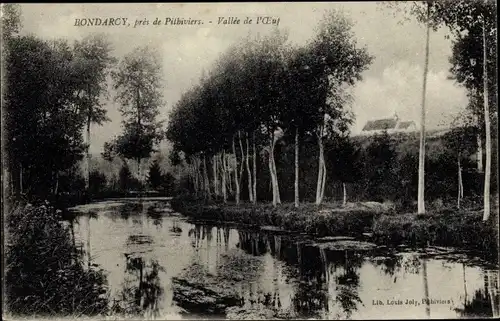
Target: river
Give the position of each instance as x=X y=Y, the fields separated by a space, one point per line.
x=160 y=265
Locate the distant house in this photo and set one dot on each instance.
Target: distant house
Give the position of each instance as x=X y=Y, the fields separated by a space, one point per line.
x=391 y=125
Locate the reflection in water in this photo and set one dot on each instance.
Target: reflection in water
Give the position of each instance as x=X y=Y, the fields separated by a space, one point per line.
x=141 y=291
x=143 y=246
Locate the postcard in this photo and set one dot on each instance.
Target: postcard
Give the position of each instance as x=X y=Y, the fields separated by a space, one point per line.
x=330 y=160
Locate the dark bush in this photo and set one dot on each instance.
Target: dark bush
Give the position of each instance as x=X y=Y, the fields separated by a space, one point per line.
x=44 y=275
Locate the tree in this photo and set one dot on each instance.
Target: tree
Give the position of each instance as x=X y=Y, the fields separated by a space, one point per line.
x=344 y=158
x=97 y=182
x=125 y=178
x=45 y=122
x=461 y=143
x=465 y=19
x=155 y=176
x=421 y=153
x=338 y=64
x=138 y=85
x=94 y=55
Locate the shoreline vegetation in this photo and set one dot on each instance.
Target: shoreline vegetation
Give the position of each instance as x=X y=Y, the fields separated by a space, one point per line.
x=378 y=222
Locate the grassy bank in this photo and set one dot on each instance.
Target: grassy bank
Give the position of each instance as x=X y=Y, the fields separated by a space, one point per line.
x=463 y=229
x=44 y=275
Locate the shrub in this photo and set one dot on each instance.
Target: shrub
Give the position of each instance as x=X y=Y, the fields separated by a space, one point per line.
x=44 y=275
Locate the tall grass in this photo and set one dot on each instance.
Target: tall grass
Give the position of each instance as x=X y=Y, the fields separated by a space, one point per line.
x=43 y=273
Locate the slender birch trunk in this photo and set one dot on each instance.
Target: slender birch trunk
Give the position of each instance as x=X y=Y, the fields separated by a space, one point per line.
x=344 y=200
x=242 y=162
x=205 y=179
x=323 y=183
x=87 y=156
x=224 y=172
x=201 y=181
x=229 y=177
x=487 y=170
x=321 y=168
x=57 y=184
x=254 y=161
x=236 y=180
x=216 y=178
x=195 y=176
x=480 y=168
x=272 y=170
x=249 y=173
x=421 y=160
x=460 y=185
x=278 y=196
x=296 y=184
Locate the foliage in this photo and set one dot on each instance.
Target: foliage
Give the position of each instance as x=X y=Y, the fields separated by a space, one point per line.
x=444 y=228
x=97 y=182
x=44 y=122
x=44 y=275
x=155 y=176
x=126 y=180
x=138 y=85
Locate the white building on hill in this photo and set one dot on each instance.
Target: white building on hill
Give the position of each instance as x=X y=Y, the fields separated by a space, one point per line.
x=391 y=125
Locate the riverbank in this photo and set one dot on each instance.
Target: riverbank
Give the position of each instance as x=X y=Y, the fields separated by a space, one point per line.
x=44 y=272
x=378 y=222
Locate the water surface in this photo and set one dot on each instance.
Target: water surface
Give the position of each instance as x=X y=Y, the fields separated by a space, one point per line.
x=146 y=248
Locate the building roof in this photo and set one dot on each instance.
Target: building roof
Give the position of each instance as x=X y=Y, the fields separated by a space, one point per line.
x=380 y=124
x=405 y=124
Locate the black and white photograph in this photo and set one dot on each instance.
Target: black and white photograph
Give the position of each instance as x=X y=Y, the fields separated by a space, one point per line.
x=250 y=161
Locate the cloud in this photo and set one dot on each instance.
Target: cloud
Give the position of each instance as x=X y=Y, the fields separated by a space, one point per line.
x=399 y=89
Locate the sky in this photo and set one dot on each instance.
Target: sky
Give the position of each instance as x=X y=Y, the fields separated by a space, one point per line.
x=392 y=84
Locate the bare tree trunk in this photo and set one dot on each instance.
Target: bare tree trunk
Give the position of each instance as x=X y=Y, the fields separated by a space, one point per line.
x=249 y=173
x=229 y=176
x=321 y=168
x=199 y=174
x=216 y=179
x=421 y=159
x=87 y=158
x=296 y=184
x=254 y=161
x=278 y=196
x=479 y=153
x=242 y=162
x=344 y=200
x=460 y=185
x=57 y=184
x=323 y=183
x=195 y=177
x=487 y=170
x=205 y=178
x=89 y=259
x=272 y=170
x=236 y=180
x=224 y=172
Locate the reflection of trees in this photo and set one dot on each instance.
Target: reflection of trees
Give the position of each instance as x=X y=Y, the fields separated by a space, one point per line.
x=142 y=292
x=128 y=209
x=253 y=242
x=345 y=266
x=201 y=232
x=156 y=216
x=478 y=306
x=311 y=296
x=484 y=302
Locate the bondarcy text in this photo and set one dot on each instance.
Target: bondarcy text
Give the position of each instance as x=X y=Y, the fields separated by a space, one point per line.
x=89 y=22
